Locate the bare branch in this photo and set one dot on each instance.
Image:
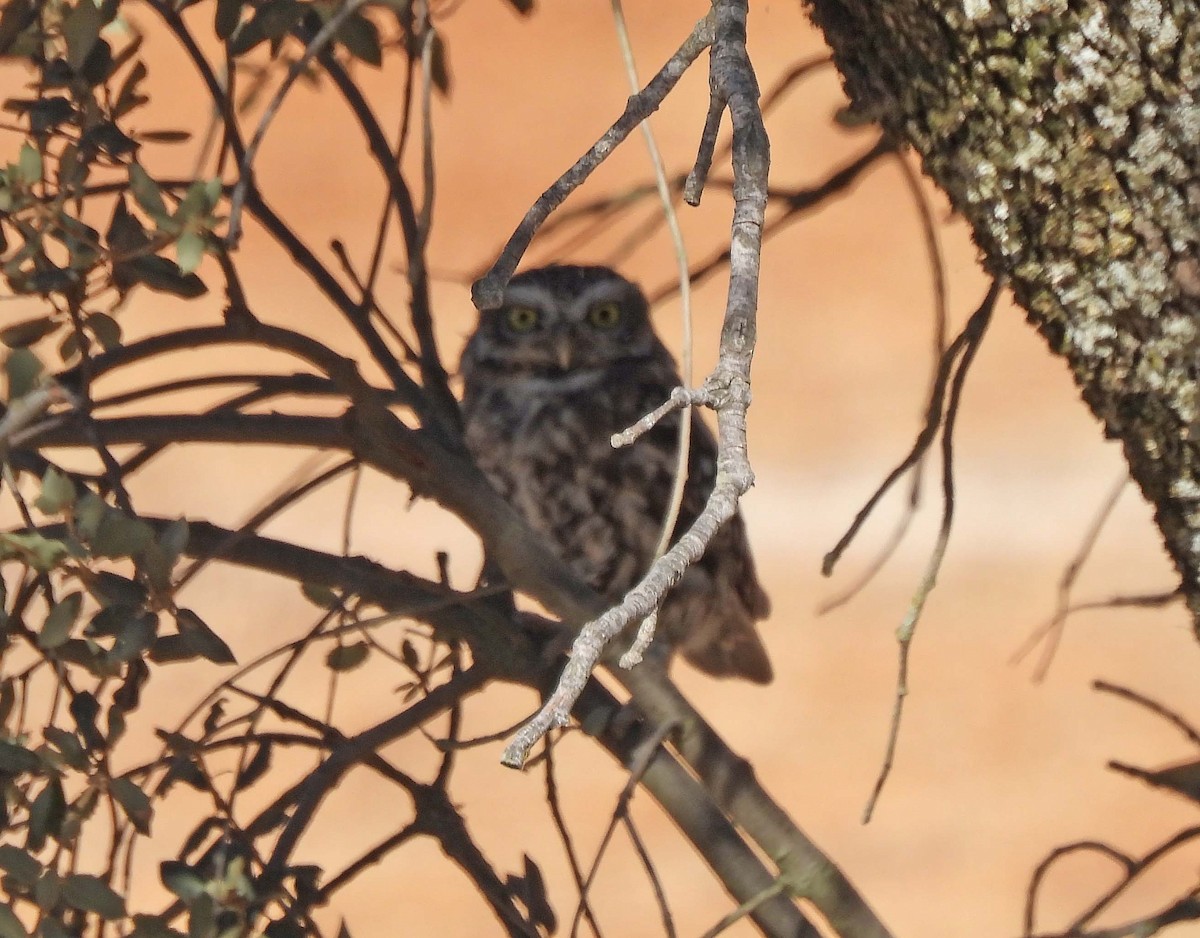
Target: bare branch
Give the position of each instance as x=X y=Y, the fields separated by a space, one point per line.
x=488 y=291
x=972 y=335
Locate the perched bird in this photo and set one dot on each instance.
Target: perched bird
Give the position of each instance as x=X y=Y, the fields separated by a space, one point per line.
x=569 y=359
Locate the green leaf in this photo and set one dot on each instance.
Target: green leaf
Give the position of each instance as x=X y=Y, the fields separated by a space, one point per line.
x=15 y=17
x=58 y=492
x=128 y=97
x=10 y=925
x=134 y=802
x=360 y=36
x=137 y=635
x=165 y=136
x=152 y=926
x=106 y=330
x=89 y=512
x=189 y=250
x=39 y=552
x=8 y=698
x=84 y=708
x=198 y=636
x=53 y=928
x=128 y=696
x=16 y=759
x=171 y=648
x=348 y=657
x=48 y=890
x=255 y=768
x=108 y=137
x=181 y=879
x=174 y=540
x=145 y=190
x=229 y=14
x=112 y=589
x=439 y=62
x=19 y=864
x=23 y=370
x=121 y=536
x=45 y=815
x=92 y=894
x=202 y=917
x=158 y=273
x=57 y=627
x=68 y=744
x=320 y=595
x=125 y=234
x=29 y=165
x=116 y=725
x=22 y=334
x=81 y=28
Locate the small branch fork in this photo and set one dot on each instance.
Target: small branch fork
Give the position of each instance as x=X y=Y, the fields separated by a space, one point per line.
x=942 y=413
x=1131 y=868
x=733 y=87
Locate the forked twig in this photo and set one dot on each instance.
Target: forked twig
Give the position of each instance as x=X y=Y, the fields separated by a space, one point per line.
x=1052 y=630
x=955 y=367
x=727 y=389
x=488 y=291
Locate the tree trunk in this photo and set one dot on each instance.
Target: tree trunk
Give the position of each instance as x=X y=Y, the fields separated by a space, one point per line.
x=1068 y=134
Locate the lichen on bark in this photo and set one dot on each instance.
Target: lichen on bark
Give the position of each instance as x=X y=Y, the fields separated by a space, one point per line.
x=1068 y=134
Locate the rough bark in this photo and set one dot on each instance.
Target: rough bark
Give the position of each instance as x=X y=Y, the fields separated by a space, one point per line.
x=1068 y=134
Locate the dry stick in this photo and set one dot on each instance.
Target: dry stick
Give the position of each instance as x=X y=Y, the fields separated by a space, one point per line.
x=685 y=289
x=564 y=834
x=933 y=420
x=1123 y=860
x=1133 y=869
x=1184 y=909
x=747 y=907
x=488 y=291
x=660 y=895
x=727 y=389
x=937 y=264
x=1153 y=706
x=973 y=331
x=1052 y=630
x=647 y=751
x=425 y=215
x=323 y=37
x=645 y=632
x=795 y=204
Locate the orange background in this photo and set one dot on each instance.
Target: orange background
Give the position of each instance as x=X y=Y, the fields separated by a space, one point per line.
x=993 y=770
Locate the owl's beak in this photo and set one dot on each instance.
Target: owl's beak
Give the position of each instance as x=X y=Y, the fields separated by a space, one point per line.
x=563 y=352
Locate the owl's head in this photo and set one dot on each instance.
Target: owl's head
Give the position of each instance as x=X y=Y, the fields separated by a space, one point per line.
x=563 y=321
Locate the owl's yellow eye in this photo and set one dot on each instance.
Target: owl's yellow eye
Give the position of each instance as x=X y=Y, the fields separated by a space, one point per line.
x=522 y=318
x=604 y=315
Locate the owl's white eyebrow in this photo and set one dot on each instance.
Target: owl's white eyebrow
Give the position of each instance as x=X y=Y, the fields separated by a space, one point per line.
x=605 y=288
x=528 y=295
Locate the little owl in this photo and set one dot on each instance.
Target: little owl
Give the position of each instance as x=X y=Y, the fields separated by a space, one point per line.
x=569 y=359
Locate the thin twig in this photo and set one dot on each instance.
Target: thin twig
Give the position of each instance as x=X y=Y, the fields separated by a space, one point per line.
x=488 y=291
x=1052 y=630
x=1153 y=706
x=643 y=757
x=778 y=887
x=973 y=332
x=323 y=37
x=564 y=833
x=680 y=476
